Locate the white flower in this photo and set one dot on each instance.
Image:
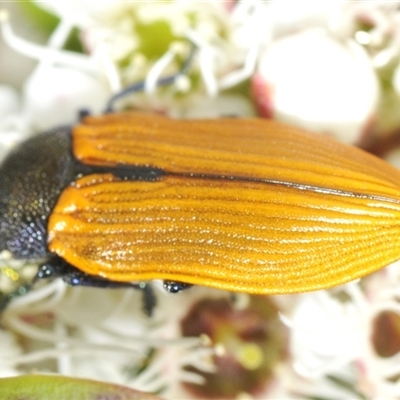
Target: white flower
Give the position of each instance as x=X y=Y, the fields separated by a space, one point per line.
x=64 y=92
x=148 y=40
x=110 y=342
x=126 y=43
x=312 y=80
x=374 y=25
x=62 y=84
x=334 y=331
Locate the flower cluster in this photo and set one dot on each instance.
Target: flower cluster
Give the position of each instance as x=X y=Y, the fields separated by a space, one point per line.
x=331 y=67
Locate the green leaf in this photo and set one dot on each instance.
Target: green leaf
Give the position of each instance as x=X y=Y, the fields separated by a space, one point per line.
x=43 y=387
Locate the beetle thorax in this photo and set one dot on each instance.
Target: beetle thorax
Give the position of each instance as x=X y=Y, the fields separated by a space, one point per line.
x=31 y=179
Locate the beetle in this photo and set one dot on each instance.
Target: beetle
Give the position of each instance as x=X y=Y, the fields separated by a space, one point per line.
x=244 y=205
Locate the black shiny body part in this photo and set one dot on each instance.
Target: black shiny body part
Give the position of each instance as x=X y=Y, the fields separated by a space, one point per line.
x=56 y=267
x=176 y=287
x=31 y=179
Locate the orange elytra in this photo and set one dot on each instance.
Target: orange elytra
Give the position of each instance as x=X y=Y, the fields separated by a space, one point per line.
x=245 y=205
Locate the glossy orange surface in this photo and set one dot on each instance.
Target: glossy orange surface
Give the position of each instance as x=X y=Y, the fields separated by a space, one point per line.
x=267 y=208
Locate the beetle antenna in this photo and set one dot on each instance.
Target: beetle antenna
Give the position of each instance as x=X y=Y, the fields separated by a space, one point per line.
x=139 y=86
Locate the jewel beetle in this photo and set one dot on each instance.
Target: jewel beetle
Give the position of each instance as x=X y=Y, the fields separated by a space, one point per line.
x=245 y=205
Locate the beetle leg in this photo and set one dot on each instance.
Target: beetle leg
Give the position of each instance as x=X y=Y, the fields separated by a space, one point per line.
x=175 y=287
x=57 y=267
